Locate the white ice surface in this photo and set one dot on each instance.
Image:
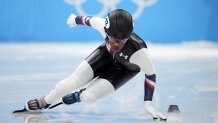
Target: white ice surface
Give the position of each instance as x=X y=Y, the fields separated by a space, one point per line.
x=187 y=75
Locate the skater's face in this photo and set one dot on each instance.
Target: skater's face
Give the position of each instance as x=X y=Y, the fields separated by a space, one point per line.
x=116 y=44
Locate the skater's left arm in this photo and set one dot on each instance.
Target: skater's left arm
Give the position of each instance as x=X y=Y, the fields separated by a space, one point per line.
x=142 y=59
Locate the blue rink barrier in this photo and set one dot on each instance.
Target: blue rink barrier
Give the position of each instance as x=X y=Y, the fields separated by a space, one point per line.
x=159 y=21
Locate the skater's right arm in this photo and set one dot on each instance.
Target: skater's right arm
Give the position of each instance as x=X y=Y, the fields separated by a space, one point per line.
x=94 y=22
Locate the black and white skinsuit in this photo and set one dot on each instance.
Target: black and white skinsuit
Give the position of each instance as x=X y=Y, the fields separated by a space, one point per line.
x=112 y=69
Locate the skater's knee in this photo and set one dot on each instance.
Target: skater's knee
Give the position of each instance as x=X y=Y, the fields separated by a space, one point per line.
x=67 y=85
x=88 y=97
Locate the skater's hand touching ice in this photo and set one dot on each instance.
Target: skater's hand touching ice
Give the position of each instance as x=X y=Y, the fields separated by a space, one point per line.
x=152 y=111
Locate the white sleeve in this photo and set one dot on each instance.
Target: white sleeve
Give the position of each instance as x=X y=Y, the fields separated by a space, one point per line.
x=141 y=58
x=98 y=24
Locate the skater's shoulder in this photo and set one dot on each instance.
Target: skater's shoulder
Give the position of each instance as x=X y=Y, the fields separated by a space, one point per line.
x=138 y=41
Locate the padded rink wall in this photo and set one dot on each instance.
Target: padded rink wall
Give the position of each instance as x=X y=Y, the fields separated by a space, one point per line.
x=159 y=21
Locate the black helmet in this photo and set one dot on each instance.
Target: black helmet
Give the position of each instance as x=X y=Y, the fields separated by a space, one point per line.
x=119 y=24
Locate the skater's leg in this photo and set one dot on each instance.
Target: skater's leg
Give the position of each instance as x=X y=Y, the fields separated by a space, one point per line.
x=96 y=90
x=106 y=84
x=82 y=75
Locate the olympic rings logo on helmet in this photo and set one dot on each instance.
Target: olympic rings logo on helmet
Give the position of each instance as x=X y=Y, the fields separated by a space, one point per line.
x=111 y=5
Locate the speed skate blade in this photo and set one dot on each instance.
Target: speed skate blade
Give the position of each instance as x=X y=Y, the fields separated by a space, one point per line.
x=55 y=105
x=19 y=111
